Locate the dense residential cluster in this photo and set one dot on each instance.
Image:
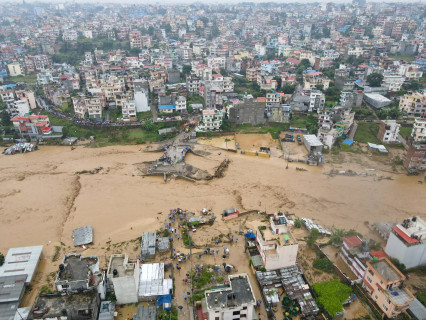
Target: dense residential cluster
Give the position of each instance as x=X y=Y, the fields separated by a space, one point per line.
x=317 y=72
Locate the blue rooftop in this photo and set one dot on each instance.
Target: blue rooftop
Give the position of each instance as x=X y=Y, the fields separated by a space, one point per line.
x=167 y=106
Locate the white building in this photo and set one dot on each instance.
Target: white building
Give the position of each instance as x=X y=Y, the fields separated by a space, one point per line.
x=88 y=34
x=316 y=101
x=123 y=277
x=18 y=108
x=393 y=82
x=129 y=111
x=141 y=101
x=23 y=260
x=152 y=282
x=388 y=131
x=312 y=143
x=276 y=244
x=419 y=130
x=235 y=301
x=180 y=103
x=14 y=69
x=212 y=120
x=407 y=242
x=70 y=35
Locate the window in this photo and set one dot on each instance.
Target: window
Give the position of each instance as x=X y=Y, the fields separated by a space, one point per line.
x=244 y=308
x=384 y=307
x=216 y=318
x=235 y=313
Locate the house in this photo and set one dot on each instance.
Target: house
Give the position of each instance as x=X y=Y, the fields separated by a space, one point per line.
x=78 y=306
x=129 y=111
x=235 y=301
x=17 y=108
x=148 y=245
x=32 y=126
x=106 y=310
x=312 y=79
x=418 y=134
x=251 y=74
x=316 y=101
x=388 y=131
x=312 y=143
x=352 y=252
x=385 y=285
x=415 y=156
x=70 y=35
x=407 y=242
x=249 y=111
x=168 y=108
x=123 y=278
x=413 y=103
x=180 y=103
x=77 y=273
x=212 y=121
x=28 y=96
x=276 y=244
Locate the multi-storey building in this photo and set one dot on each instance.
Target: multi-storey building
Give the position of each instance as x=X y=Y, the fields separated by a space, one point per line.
x=388 y=131
x=276 y=244
x=234 y=301
x=407 y=242
x=32 y=125
x=313 y=78
x=251 y=74
x=385 y=285
x=413 y=103
x=212 y=120
x=419 y=131
x=316 y=101
x=129 y=111
x=180 y=103
x=123 y=277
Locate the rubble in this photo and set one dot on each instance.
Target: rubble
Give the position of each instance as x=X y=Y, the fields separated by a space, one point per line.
x=20 y=148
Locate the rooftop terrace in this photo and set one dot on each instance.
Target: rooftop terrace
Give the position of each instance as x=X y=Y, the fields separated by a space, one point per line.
x=387 y=270
x=238 y=293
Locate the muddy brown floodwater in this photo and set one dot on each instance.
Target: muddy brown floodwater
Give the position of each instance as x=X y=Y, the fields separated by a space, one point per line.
x=42 y=199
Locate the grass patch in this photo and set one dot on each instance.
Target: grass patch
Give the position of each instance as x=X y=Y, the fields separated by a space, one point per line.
x=367 y=132
x=331 y=295
x=56 y=254
x=186 y=239
x=144 y=115
x=405 y=131
x=422 y=297
x=24 y=78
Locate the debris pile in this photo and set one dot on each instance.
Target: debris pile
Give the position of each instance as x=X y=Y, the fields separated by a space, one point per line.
x=351 y=173
x=94 y=171
x=20 y=148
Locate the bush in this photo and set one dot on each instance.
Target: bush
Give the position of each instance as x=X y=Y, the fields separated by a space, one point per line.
x=331 y=295
x=324 y=265
x=298 y=223
x=400 y=266
x=1 y=259
x=422 y=297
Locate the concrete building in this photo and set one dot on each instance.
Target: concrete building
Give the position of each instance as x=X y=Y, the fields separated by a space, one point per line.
x=385 y=285
x=415 y=157
x=312 y=143
x=129 y=111
x=106 y=310
x=141 y=101
x=32 y=126
x=279 y=113
x=212 y=121
x=123 y=278
x=14 y=69
x=77 y=273
x=316 y=101
x=28 y=96
x=393 y=82
x=79 y=306
x=180 y=103
x=419 y=131
x=413 y=103
x=388 y=131
x=18 y=108
x=19 y=261
x=235 y=301
x=249 y=111
x=376 y=100
x=276 y=244
x=407 y=242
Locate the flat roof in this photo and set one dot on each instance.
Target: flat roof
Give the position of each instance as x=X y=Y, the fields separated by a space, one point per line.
x=386 y=270
x=238 y=293
x=120 y=262
x=377 y=97
x=146 y=313
x=83 y=235
x=106 y=311
x=11 y=291
x=152 y=282
x=21 y=260
x=312 y=140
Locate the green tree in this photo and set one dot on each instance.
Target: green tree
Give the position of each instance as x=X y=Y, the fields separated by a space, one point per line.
x=5 y=118
x=279 y=81
x=288 y=88
x=375 y=79
x=186 y=69
x=313 y=236
x=336 y=236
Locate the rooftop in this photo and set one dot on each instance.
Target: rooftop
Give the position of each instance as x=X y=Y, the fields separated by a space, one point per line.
x=106 y=311
x=238 y=293
x=11 y=291
x=83 y=235
x=120 y=262
x=76 y=267
x=312 y=140
x=412 y=230
x=73 y=306
x=352 y=241
x=387 y=270
x=21 y=260
x=399 y=296
x=146 y=313
x=152 y=282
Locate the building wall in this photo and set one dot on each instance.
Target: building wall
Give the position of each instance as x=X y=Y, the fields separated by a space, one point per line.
x=228 y=314
x=126 y=288
x=411 y=256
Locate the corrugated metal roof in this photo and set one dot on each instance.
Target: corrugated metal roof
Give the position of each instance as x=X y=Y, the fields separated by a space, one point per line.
x=83 y=235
